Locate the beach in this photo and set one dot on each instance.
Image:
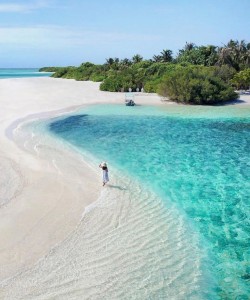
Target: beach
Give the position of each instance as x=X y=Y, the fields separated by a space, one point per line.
x=45 y=190
x=25 y=176
x=39 y=204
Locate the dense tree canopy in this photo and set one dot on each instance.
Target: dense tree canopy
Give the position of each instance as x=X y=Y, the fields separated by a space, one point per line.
x=195 y=85
x=241 y=80
x=205 y=74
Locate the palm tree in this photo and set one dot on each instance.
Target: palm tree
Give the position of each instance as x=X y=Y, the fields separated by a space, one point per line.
x=125 y=62
x=237 y=52
x=232 y=44
x=242 y=47
x=211 y=55
x=157 y=58
x=189 y=46
x=245 y=58
x=110 y=61
x=244 y=53
x=166 y=55
x=224 y=56
x=137 y=58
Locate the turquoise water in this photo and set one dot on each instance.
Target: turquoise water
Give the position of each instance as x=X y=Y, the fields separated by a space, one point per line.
x=20 y=73
x=195 y=157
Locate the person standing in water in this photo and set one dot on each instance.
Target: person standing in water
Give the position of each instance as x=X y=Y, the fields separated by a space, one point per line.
x=105 y=174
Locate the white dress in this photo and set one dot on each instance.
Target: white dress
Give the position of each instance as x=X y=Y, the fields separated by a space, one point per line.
x=105 y=175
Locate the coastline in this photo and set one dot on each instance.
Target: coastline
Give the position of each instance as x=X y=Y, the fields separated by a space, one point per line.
x=34 y=217
x=34 y=191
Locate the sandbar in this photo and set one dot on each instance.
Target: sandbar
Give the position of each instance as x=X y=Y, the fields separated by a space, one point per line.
x=43 y=194
x=40 y=203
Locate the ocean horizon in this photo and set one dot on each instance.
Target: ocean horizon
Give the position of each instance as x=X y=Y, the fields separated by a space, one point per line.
x=22 y=73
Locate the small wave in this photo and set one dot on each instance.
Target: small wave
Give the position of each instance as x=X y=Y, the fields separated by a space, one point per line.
x=128 y=245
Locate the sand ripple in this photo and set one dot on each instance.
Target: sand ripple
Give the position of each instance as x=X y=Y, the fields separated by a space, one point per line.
x=128 y=245
x=11 y=180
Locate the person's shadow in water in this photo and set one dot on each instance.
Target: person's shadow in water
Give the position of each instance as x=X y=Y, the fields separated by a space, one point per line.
x=116 y=187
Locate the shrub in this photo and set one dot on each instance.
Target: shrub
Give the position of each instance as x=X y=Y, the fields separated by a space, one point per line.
x=111 y=84
x=242 y=79
x=151 y=86
x=195 y=85
x=225 y=72
x=59 y=73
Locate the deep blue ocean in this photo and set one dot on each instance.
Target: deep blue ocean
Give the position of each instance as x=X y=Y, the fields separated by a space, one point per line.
x=22 y=72
x=196 y=157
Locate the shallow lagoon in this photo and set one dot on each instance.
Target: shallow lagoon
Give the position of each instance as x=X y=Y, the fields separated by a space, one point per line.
x=196 y=157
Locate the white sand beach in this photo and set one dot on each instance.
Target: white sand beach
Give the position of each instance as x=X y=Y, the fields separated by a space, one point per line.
x=44 y=191
x=35 y=197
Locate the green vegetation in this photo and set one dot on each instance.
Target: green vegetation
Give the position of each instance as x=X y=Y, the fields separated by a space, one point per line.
x=197 y=75
x=241 y=80
x=196 y=85
x=50 y=69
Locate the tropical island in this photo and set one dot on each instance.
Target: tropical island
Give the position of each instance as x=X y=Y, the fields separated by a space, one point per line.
x=197 y=75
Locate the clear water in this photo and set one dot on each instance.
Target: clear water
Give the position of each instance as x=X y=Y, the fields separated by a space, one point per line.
x=20 y=73
x=195 y=157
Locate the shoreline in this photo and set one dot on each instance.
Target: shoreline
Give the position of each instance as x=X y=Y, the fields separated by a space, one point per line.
x=59 y=185
x=40 y=213
x=19 y=215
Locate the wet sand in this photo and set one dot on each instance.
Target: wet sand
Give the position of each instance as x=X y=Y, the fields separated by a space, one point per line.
x=39 y=204
x=44 y=189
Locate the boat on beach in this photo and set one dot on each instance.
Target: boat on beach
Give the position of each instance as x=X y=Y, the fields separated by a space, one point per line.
x=129 y=99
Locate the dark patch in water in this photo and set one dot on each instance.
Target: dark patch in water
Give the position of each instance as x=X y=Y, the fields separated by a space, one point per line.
x=68 y=124
x=233 y=126
x=246 y=277
x=201 y=164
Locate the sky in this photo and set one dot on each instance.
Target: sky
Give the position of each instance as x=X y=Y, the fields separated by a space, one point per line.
x=38 y=33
